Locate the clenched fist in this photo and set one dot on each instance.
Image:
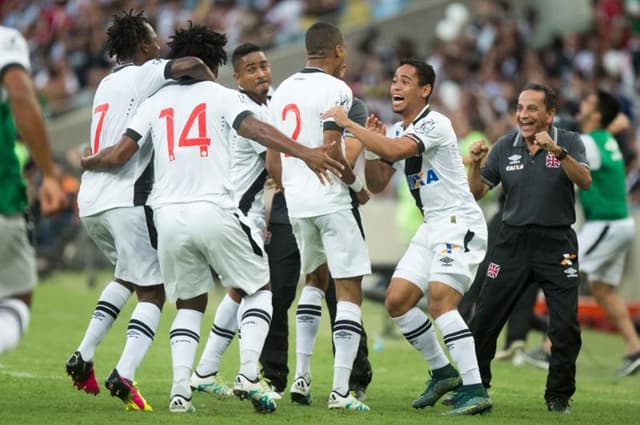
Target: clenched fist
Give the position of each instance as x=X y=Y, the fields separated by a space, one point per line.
x=478 y=151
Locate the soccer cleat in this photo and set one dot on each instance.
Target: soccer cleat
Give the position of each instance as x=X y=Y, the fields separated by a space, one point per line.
x=254 y=391
x=212 y=384
x=630 y=364
x=180 y=404
x=301 y=391
x=510 y=351
x=436 y=388
x=469 y=403
x=267 y=387
x=359 y=393
x=452 y=397
x=558 y=405
x=81 y=373
x=126 y=391
x=348 y=402
x=537 y=357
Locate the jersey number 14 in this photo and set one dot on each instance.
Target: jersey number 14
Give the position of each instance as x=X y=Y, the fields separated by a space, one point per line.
x=197 y=117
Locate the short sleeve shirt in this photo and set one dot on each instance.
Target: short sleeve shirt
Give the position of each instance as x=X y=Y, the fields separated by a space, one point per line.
x=537 y=190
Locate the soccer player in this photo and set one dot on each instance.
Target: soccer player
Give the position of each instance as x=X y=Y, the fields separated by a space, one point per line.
x=252 y=74
x=19 y=108
x=112 y=206
x=608 y=231
x=444 y=254
x=199 y=225
x=328 y=230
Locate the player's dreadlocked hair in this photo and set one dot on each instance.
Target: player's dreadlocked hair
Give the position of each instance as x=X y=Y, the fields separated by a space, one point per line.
x=201 y=42
x=125 y=34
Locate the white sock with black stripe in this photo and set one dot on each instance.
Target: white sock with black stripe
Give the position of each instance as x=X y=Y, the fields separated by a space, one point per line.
x=184 y=337
x=225 y=326
x=418 y=330
x=346 y=338
x=459 y=341
x=255 y=319
x=308 y=316
x=14 y=320
x=140 y=332
x=113 y=298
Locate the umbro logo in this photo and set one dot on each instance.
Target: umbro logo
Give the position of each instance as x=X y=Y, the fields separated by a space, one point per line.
x=571 y=272
x=342 y=335
x=446 y=261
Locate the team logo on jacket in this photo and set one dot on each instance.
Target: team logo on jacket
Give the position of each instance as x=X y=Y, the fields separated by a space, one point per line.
x=493 y=270
x=514 y=163
x=551 y=161
x=422 y=178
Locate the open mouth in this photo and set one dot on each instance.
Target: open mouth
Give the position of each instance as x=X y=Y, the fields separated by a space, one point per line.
x=396 y=99
x=527 y=127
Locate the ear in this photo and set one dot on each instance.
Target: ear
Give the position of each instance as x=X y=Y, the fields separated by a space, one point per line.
x=426 y=91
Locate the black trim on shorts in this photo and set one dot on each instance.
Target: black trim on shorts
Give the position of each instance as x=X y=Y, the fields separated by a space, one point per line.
x=598 y=240
x=250 y=195
x=356 y=214
x=247 y=231
x=151 y=226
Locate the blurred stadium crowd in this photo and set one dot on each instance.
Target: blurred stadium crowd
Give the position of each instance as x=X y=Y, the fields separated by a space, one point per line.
x=483 y=53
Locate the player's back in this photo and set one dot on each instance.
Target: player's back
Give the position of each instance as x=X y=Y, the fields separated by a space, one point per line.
x=296 y=107
x=189 y=127
x=117 y=98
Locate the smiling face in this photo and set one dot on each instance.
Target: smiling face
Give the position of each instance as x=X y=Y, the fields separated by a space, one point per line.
x=408 y=97
x=254 y=75
x=532 y=115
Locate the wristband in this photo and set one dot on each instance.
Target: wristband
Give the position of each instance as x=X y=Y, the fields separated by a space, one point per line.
x=562 y=155
x=370 y=156
x=357 y=185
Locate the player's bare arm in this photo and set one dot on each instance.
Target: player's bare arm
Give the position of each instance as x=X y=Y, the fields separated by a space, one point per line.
x=577 y=173
x=112 y=157
x=274 y=167
x=477 y=153
x=30 y=123
x=392 y=149
x=317 y=159
x=190 y=66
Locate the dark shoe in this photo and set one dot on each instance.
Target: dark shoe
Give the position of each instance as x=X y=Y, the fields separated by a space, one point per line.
x=470 y=402
x=126 y=391
x=630 y=364
x=537 y=357
x=81 y=373
x=558 y=405
x=436 y=388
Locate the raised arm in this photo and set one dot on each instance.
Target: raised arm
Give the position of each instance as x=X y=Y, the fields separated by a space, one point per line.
x=577 y=172
x=477 y=152
x=189 y=66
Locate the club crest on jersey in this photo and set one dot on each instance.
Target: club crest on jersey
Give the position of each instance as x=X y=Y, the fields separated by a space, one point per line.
x=493 y=270
x=514 y=163
x=551 y=161
x=422 y=178
x=424 y=126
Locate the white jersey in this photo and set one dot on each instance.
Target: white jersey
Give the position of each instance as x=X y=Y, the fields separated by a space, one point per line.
x=116 y=100
x=189 y=125
x=296 y=107
x=248 y=173
x=436 y=177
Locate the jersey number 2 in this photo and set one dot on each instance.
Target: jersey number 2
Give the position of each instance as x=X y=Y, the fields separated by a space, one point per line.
x=292 y=107
x=198 y=114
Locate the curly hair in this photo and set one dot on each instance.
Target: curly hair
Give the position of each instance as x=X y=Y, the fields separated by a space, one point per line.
x=201 y=42
x=126 y=33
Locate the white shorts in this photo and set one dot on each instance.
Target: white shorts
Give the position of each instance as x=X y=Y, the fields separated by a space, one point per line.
x=17 y=257
x=603 y=246
x=337 y=239
x=445 y=252
x=194 y=236
x=126 y=236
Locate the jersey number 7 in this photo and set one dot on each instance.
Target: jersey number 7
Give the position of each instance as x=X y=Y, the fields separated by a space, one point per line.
x=198 y=114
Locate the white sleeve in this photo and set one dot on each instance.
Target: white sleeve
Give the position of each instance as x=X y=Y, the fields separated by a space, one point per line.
x=235 y=106
x=152 y=76
x=430 y=132
x=14 y=49
x=140 y=124
x=340 y=95
x=591 y=151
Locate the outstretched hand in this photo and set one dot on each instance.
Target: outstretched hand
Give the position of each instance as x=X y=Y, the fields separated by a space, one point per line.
x=321 y=163
x=374 y=125
x=338 y=114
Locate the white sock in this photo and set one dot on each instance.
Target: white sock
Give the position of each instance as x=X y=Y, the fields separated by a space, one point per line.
x=418 y=330
x=308 y=316
x=113 y=298
x=142 y=328
x=346 y=338
x=459 y=340
x=14 y=320
x=225 y=325
x=184 y=337
x=255 y=313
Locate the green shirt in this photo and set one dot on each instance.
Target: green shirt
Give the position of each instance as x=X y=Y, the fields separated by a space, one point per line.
x=606 y=199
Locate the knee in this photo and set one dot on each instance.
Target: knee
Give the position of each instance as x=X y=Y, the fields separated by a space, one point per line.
x=151 y=294
x=395 y=304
